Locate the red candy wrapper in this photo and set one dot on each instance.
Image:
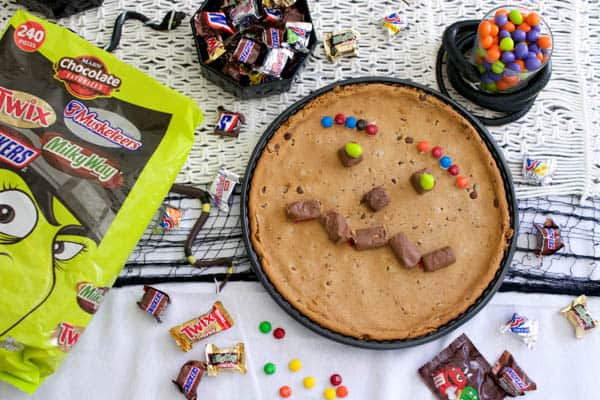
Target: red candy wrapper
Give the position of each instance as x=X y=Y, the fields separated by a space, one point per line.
x=460 y=372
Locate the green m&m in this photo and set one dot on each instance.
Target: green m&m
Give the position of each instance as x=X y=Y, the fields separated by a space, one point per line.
x=354 y=150
x=427 y=181
x=265 y=327
x=269 y=368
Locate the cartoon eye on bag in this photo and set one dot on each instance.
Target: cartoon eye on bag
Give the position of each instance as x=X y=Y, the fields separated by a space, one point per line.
x=18 y=216
x=64 y=250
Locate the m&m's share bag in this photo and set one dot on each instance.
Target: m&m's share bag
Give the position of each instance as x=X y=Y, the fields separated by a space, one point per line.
x=89 y=147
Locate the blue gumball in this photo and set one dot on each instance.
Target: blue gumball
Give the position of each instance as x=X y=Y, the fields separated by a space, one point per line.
x=531 y=54
x=351 y=122
x=513 y=67
x=327 y=121
x=486 y=78
x=495 y=77
x=534 y=47
x=507 y=57
x=518 y=35
x=503 y=33
x=532 y=63
x=537 y=28
x=486 y=65
x=501 y=20
x=533 y=36
x=521 y=51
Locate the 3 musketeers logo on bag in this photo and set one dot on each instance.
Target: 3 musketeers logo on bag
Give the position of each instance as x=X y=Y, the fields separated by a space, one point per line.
x=86 y=77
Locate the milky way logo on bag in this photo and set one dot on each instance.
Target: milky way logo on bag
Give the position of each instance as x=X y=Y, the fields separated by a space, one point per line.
x=74 y=159
x=24 y=110
x=89 y=297
x=86 y=77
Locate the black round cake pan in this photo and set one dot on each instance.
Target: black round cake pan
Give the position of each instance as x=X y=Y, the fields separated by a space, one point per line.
x=368 y=343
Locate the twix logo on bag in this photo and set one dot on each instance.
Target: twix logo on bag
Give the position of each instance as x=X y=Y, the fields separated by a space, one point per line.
x=86 y=77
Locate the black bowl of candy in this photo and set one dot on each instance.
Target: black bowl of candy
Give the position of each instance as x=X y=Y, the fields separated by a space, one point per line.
x=253 y=48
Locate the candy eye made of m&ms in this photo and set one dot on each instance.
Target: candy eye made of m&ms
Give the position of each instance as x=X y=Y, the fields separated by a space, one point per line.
x=18 y=215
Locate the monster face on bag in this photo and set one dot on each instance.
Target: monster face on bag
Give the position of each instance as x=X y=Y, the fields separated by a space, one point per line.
x=88 y=149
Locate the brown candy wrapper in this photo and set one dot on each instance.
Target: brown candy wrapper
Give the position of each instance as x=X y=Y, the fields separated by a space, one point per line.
x=154 y=302
x=510 y=377
x=189 y=378
x=303 y=210
x=460 y=372
x=214 y=321
x=548 y=238
x=336 y=227
x=370 y=238
x=405 y=250
x=438 y=259
x=579 y=316
x=227 y=359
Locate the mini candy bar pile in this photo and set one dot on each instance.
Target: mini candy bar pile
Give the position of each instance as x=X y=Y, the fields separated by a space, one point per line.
x=510 y=46
x=253 y=41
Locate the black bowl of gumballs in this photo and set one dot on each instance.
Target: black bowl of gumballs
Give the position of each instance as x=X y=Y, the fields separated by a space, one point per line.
x=513 y=44
x=253 y=48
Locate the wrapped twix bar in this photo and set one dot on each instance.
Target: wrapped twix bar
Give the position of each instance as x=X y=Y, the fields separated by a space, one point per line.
x=214 y=321
x=226 y=359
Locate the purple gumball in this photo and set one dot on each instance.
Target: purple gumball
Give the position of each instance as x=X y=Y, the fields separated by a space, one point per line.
x=536 y=28
x=486 y=65
x=534 y=47
x=513 y=67
x=495 y=77
x=521 y=51
x=531 y=54
x=507 y=57
x=501 y=20
x=486 y=78
x=532 y=63
x=532 y=36
x=504 y=33
x=519 y=36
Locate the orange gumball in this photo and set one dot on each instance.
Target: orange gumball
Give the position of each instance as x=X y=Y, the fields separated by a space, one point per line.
x=501 y=11
x=525 y=27
x=511 y=80
x=493 y=54
x=495 y=30
x=533 y=19
x=540 y=57
x=509 y=26
x=478 y=60
x=502 y=85
x=545 y=42
x=545 y=58
x=486 y=42
x=521 y=64
x=485 y=29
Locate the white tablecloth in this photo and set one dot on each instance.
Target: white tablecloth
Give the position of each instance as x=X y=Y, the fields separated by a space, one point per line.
x=127 y=355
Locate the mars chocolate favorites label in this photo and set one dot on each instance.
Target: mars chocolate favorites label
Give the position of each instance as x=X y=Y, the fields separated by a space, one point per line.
x=86 y=77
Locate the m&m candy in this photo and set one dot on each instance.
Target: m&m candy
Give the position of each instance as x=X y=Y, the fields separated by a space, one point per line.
x=279 y=333
x=423 y=146
x=351 y=122
x=329 y=394
x=427 y=182
x=269 y=368
x=453 y=170
x=372 y=129
x=341 y=391
x=437 y=152
x=285 y=391
x=462 y=182
x=445 y=162
x=335 y=379
x=265 y=327
x=340 y=119
x=354 y=150
x=295 y=365
x=309 y=382
x=327 y=121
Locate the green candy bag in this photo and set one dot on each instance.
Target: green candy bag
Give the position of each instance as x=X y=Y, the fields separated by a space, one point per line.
x=89 y=147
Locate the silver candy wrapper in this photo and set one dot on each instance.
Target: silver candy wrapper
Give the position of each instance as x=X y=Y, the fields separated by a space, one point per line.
x=222 y=189
x=538 y=171
x=526 y=329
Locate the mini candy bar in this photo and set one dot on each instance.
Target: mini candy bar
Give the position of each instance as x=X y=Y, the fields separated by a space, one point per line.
x=526 y=329
x=273 y=15
x=214 y=47
x=218 y=22
x=275 y=62
x=222 y=188
x=579 y=316
x=214 y=321
x=233 y=69
x=167 y=218
x=538 y=171
x=376 y=198
x=298 y=35
x=247 y=51
x=292 y=14
x=346 y=160
x=406 y=252
x=272 y=37
x=189 y=378
x=245 y=13
x=340 y=44
x=438 y=259
x=228 y=359
x=370 y=238
x=394 y=24
x=548 y=238
x=510 y=377
x=229 y=123
x=278 y=3
x=336 y=227
x=154 y=302
x=460 y=372
x=303 y=210
x=415 y=180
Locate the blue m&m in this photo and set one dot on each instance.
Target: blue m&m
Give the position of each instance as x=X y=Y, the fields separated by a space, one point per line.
x=445 y=162
x=327 y=121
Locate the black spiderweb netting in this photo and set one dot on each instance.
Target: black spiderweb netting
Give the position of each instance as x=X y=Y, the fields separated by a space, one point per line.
x=159 y=256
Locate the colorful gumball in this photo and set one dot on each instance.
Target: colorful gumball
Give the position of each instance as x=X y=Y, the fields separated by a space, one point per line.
x=512 y=80
x=486 y=41
x=502 y=85
x=501 y=20
x=532 y=63
x=515 y=17
x=533 y=36
x=521 y=64
x=533 y=19
x=501 y=11
x=493 y=54
x=507 y=57
x=495 y=77
x=485 y=29
x=521 y=51
x=498 y=67
x=545 y=42
x=507 y=44
x=540 y=57
x=491 y=87
x=519 y=36
x=503 y=34
x=495 y=30
x=533 y=47
x=509 y=26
